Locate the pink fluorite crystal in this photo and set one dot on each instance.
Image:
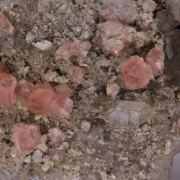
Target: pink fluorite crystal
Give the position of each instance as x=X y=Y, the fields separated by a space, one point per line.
x=42 y=99
x=56 y=135
x=136 y=74
x=110 y=29
x=25 y=137
x=7 y=88
x=123 y=10
x=24 y=89
x=61 y=106
x=76 y=48
x=155 y=58
x=5 y=24
x=76 y=74
x=115 y=36
x=39 y=101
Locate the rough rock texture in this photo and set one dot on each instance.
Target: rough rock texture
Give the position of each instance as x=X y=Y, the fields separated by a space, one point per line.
x=105 y=152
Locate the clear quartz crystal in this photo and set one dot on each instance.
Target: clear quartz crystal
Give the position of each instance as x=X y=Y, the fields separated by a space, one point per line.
x=131 y=113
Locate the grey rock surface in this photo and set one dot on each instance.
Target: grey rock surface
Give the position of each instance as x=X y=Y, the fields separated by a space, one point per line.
x=174 y=6
x=175 y=171
x=4 y=174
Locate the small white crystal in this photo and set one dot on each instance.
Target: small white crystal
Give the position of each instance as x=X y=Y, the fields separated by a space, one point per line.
x=37 y=156
x=43 y=45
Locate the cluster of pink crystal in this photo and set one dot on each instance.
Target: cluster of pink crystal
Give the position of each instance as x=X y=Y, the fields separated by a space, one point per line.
x=26 y=138
x=40 y=98
x=123 y=10
x=115 y=36
x=137 y=72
